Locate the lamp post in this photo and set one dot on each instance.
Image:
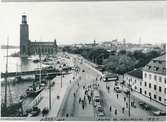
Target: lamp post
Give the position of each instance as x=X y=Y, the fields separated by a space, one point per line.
x=61 y=78
x=49 y=94
x=129 y=97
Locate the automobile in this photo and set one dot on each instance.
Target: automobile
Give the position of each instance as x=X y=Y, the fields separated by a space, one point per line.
x=96 y=104
x=45 y=111
x=35 y=111
x=97 y=99
x=144 y=105
x=159 y=113
x=100 y=111
x=95 y=86
x=117 y=89
x=126 y=90
x=100 y=114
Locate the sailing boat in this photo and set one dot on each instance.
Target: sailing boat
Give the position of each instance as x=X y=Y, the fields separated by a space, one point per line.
x=8 y=108
x=18 y=78
x=36 y=87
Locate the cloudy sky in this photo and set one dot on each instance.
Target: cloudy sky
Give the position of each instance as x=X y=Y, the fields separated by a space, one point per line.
x=82 y=22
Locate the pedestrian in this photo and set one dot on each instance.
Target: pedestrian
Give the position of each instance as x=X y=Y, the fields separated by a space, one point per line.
x=115 y=111
x=82 y=104
x=126 y=105
x=123 y=109
x=110 y=109
x=124 y=99
x=84 y=98
x=74 y=94
x=150 y=97
x=79 y=100
x=132 y=104
x=117 y=96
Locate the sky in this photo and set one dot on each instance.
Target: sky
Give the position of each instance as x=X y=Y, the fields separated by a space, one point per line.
x=83 y=22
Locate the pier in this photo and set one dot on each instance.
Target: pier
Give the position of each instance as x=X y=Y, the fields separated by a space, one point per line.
x=36 y=72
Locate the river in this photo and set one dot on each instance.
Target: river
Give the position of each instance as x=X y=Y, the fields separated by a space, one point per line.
x=15 y=64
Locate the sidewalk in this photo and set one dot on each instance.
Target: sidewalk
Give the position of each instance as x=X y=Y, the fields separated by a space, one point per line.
x=56 y=90
x=117 y=103
x=142 y=97
x=147 y=100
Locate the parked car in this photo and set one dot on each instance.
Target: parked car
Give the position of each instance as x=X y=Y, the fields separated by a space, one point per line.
x=117 y=89
x=159 y=113
x=126 y=90
x=35 y=111
x=96 y=104
x=144 y=105
x=100 y=111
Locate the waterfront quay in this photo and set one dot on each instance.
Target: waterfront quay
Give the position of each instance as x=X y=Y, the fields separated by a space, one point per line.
x=77 y=86
x=83 y=94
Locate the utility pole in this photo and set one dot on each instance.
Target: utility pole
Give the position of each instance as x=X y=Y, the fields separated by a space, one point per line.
x=49 y=94
x=6 y=79
x=61 y=78
x=129 y=97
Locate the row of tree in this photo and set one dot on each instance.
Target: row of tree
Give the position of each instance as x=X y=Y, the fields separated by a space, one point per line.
x=127 y=61
x=120 y=62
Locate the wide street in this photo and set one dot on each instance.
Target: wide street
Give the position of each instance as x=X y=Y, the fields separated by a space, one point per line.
x=113 y=103
x=77 y=96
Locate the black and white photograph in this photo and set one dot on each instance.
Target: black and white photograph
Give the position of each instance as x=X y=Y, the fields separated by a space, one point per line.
x=83 y=61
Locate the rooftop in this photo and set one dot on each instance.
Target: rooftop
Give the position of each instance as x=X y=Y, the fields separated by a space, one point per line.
x=136 y=73
x=161 y=58
x=42 y=43
x=157 y=65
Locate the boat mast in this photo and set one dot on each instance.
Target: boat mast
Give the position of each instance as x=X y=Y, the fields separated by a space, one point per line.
x=5 y=102
x=40 y=69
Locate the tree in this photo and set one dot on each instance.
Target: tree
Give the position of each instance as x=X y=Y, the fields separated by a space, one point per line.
x=119 y=64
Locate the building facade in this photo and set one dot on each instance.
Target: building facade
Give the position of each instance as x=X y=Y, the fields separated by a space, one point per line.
x=31 y=48
x=154 y=79
x=134 y=79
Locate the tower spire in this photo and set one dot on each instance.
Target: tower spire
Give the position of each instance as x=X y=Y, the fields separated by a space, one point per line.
x=24 y=19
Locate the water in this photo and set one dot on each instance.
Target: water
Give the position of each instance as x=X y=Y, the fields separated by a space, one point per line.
x=16 y=64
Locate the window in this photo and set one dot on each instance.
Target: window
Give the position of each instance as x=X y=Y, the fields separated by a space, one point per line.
x=155 y=77
x=145 y=75
x=145 y=84
x=150 y=76
x=155 y=87
x=165 y=90
x=165 y=80
x=163 y=69
x=159 y=98
x=156 y=68
x=135 y=87
x=155 y=96
x=160 y=79
x=145 y=92
x=159 y=89
x=149 y=85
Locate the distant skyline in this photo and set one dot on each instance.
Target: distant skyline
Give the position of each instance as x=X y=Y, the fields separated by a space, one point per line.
x=83 y=22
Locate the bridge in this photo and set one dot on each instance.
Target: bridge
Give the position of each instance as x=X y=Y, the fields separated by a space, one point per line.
x=34 y=72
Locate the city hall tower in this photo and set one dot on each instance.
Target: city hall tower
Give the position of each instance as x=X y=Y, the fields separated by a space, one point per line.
x=24 y=37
